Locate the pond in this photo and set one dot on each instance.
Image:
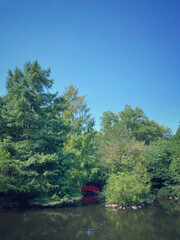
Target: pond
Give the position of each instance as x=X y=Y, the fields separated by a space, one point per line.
x=93 y=221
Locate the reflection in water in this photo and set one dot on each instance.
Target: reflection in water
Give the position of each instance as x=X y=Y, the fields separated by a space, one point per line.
x=93 y=222
x=93 y=199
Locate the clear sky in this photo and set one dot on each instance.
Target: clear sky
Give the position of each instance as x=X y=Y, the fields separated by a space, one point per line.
x=116 y=52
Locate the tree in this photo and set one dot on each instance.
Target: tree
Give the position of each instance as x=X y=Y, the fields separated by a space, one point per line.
x=7 y=170
x=119 y=152
x=141 y=127
x=2 y=122
x=135 y=120
x=174 y=167
x=123 y=163
x=108 y=119
x=80 y=139
x=158 y=159
x=35 y=133
x=175 y=164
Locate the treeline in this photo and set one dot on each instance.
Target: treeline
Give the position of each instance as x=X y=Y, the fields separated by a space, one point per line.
x=49 y=147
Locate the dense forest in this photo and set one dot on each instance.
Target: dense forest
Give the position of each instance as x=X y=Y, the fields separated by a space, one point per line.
x=49 y=146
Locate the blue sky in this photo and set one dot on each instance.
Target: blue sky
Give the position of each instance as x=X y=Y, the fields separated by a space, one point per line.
x=116 y=52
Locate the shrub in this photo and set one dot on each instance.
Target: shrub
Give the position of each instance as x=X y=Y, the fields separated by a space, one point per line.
x=128 y=188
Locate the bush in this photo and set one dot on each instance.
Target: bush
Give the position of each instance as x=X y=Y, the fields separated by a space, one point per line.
x=128 y=188
x=165 y=191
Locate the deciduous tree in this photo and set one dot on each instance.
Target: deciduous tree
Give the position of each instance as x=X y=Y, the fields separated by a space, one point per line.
x=81 y=138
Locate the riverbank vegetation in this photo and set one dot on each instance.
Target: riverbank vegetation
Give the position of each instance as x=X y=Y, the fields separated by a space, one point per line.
x=49 y=146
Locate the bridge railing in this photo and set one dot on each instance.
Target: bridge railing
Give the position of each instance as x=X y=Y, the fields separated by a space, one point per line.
x=90 y=188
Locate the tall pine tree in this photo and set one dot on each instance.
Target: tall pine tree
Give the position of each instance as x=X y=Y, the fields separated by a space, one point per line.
x=33 y=136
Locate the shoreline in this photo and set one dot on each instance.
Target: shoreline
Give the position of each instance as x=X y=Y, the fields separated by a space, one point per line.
x=137 y=206
x=59 y=204
x=76 y=203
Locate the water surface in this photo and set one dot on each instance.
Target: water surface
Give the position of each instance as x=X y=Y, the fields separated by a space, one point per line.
x=92 y=222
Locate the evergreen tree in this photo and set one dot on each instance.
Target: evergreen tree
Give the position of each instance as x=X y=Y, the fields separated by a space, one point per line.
x=2 y=122
x=35 y=134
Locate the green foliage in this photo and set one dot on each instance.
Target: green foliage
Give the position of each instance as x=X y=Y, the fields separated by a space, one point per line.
x=7 y=172
x=163 y=164
x=174 y=167
x=157 y=161
x=131 y=139
x=2 y=122
x=81 y=138
x=119 y=152
x=34 y=135
x=142 y=128
x=158 y=158
x=49 y=147
x=135 y=120
x=120 y=156
x=108 y=119
x=113 y=147
x=165 y=191
x=175 y=164
x=128 y=187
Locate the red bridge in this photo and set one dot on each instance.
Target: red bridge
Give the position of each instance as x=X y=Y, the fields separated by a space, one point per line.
x=90 y=188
